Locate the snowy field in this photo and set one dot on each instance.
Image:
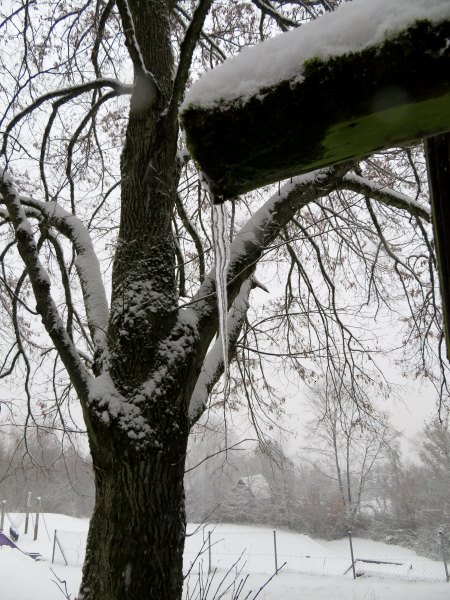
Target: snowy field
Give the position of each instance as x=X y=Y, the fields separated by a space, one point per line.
x=316 y=570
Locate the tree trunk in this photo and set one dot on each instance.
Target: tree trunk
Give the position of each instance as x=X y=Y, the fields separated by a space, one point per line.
x=136 y=535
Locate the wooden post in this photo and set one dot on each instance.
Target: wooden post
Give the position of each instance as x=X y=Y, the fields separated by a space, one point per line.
x=36 y=525
x=275 y=551
x=27 y=515
x=2 y=517
x=351 y=553
x=384 y=95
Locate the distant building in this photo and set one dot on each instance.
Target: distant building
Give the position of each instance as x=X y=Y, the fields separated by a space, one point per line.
x=255 y=485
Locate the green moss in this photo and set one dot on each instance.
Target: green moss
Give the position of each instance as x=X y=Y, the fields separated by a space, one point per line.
x=386 y=128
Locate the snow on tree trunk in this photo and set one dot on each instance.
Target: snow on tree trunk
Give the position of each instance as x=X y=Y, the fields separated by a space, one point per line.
x=137 y=419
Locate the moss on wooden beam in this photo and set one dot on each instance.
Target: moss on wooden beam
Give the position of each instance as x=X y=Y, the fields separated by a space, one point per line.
x=345 y=108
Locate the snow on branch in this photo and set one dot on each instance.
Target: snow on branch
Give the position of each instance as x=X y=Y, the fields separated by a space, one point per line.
x=87 y=265
x=133 y=44
x=40 y=282
x=283 y=22
x=213 y=365
x=386 y=195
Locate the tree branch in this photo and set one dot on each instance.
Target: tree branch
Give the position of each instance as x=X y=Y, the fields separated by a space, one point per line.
x=41 y=286
x=387 y=196
x=259 y=232
x=187 y=48
x=88 y=269
x=69 y=93
x=284 y=23
x=213 y=365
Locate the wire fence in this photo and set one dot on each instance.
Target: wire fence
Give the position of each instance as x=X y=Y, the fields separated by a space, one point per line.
x=69 y=547
x=265 y=551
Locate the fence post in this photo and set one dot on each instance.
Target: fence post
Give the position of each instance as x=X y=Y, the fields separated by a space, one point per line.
x=444 y=553
x=54 y=547
x=209 y=552
x=352 y=555
x=2 y=517
x=27 y=514
x=56 y=541
x=275 y=551
x=36 y=525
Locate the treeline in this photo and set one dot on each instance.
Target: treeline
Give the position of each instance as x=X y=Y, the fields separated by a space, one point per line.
x=397 y=499
x=54 y=470
x=226 y=481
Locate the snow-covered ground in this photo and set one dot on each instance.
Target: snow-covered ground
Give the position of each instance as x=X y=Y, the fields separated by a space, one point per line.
x=21 y=578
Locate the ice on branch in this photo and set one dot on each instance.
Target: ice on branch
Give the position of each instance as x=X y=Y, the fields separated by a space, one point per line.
x=213 y=365
x=222 y=260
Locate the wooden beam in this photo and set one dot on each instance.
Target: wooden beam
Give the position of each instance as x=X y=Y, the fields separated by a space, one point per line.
x=344 y=108
x=438 y=160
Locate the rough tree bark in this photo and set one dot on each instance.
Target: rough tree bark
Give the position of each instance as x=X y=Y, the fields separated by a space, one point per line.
x=136 y=535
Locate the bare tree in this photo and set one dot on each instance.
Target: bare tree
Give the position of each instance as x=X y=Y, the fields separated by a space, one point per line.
x=97 y=200
x=350 y=443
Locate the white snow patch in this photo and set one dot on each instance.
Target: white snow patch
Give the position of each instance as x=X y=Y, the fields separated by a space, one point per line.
x=352 y=27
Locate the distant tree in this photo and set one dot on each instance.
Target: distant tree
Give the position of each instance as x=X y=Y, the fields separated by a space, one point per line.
x=281 y=474
x=407 y=490
x=214 y=462
x=435 y=457
x=56 y=472
x=347 y=440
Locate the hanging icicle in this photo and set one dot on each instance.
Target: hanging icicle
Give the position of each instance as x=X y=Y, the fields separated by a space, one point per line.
x=221 y=244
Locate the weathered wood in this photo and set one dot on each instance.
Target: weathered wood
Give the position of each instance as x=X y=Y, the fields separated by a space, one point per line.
x=345 y=108
x=438 y=160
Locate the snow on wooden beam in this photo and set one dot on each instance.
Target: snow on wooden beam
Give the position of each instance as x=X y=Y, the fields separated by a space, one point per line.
x=333 y=109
